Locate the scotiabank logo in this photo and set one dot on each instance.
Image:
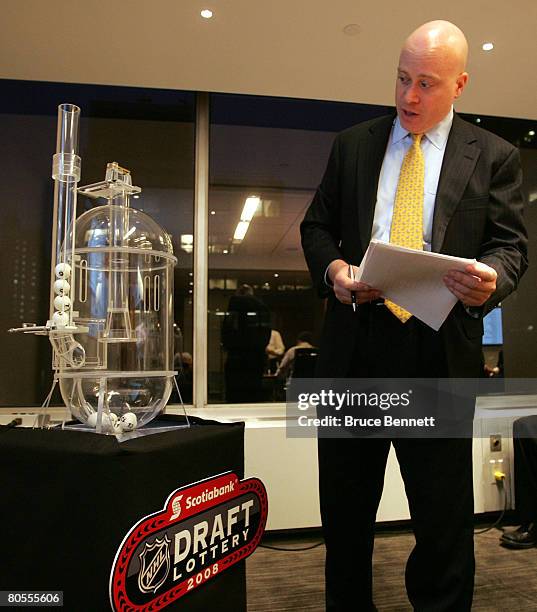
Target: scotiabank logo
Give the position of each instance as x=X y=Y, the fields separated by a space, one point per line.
x=203 y=529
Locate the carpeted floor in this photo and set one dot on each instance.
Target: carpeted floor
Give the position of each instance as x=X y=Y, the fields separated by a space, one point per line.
x=506 y=580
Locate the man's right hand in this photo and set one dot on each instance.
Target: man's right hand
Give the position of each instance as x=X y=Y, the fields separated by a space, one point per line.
x=338 y=273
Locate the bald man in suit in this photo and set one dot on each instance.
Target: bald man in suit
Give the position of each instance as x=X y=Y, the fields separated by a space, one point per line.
x=472 y=208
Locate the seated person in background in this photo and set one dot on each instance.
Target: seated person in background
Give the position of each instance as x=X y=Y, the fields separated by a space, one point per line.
x=494 y=371
x=304 y=340
x=525 y=457
x=274 y=350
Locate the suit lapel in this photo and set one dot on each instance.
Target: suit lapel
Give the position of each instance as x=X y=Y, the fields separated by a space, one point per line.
x=459 y=162
x=370 y=154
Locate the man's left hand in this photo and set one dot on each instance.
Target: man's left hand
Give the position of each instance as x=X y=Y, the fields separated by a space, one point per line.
x=474 y=286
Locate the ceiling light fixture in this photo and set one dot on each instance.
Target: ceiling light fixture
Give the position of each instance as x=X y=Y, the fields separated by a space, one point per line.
x=251 y=204
x=240 y=230
x=187 y=242
x=206 y=13
x=488 y=46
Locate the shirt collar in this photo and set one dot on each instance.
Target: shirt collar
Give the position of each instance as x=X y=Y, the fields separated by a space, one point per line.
x=438 y=135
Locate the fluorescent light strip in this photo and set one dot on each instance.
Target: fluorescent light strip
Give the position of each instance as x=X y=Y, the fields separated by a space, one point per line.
x=240 y=230
x=250 y=206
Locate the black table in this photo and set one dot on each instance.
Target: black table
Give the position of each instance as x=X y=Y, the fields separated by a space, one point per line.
x=69 y=498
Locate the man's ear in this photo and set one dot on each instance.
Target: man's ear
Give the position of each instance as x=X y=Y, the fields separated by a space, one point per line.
x=460 y=83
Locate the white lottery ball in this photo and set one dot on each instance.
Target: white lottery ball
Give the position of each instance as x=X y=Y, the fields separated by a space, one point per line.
x=61 y=287
x=63 y=270
x=60 y=319
x=106 y=422
x=116 y=428
x=62 y=303
x=128 y=421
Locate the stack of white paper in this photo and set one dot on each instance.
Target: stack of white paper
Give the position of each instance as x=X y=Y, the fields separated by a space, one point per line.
x=412 y=279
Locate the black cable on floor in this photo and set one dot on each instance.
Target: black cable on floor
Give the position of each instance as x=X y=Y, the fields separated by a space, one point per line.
x=493 y=526
x=12 y=424
x=291 y=549
x=496 y=524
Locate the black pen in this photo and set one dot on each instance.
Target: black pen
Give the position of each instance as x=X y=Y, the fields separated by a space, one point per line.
x=353 y=293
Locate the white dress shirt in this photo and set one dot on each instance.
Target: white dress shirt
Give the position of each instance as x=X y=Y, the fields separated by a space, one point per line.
x=433 y=146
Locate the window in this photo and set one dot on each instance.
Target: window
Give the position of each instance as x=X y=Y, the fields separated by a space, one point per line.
x=267 y=156
x=150 y=132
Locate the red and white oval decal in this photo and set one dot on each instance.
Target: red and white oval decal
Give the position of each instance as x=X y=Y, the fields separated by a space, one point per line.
x=203 y=529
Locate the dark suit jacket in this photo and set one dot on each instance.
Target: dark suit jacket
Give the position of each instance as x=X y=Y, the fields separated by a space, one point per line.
x=246 y=325
x=478 y=213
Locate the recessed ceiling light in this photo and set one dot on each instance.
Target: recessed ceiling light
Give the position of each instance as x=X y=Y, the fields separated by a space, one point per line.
x=488 y=46
x=213 y=212
x=206 y=13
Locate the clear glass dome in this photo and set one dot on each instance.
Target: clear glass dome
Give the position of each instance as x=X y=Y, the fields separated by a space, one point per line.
x=136 y=230
x=119 y=362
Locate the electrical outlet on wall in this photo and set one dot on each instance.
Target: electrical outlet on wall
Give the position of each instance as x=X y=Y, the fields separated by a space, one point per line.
x=496 y=454
x=496 y=468
x=495 y=443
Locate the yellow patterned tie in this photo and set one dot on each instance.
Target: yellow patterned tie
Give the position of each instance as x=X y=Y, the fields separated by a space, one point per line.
x=407 y=219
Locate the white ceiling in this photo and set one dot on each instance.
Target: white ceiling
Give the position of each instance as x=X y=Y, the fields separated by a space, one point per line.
x=293 y=48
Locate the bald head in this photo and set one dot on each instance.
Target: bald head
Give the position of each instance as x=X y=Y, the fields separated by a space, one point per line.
x=440 y=38
x=431 y=75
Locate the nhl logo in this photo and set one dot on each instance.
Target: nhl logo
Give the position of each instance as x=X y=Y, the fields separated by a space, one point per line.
x=155 y=565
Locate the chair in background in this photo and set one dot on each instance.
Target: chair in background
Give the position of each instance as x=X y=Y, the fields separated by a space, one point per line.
x=304 y=362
